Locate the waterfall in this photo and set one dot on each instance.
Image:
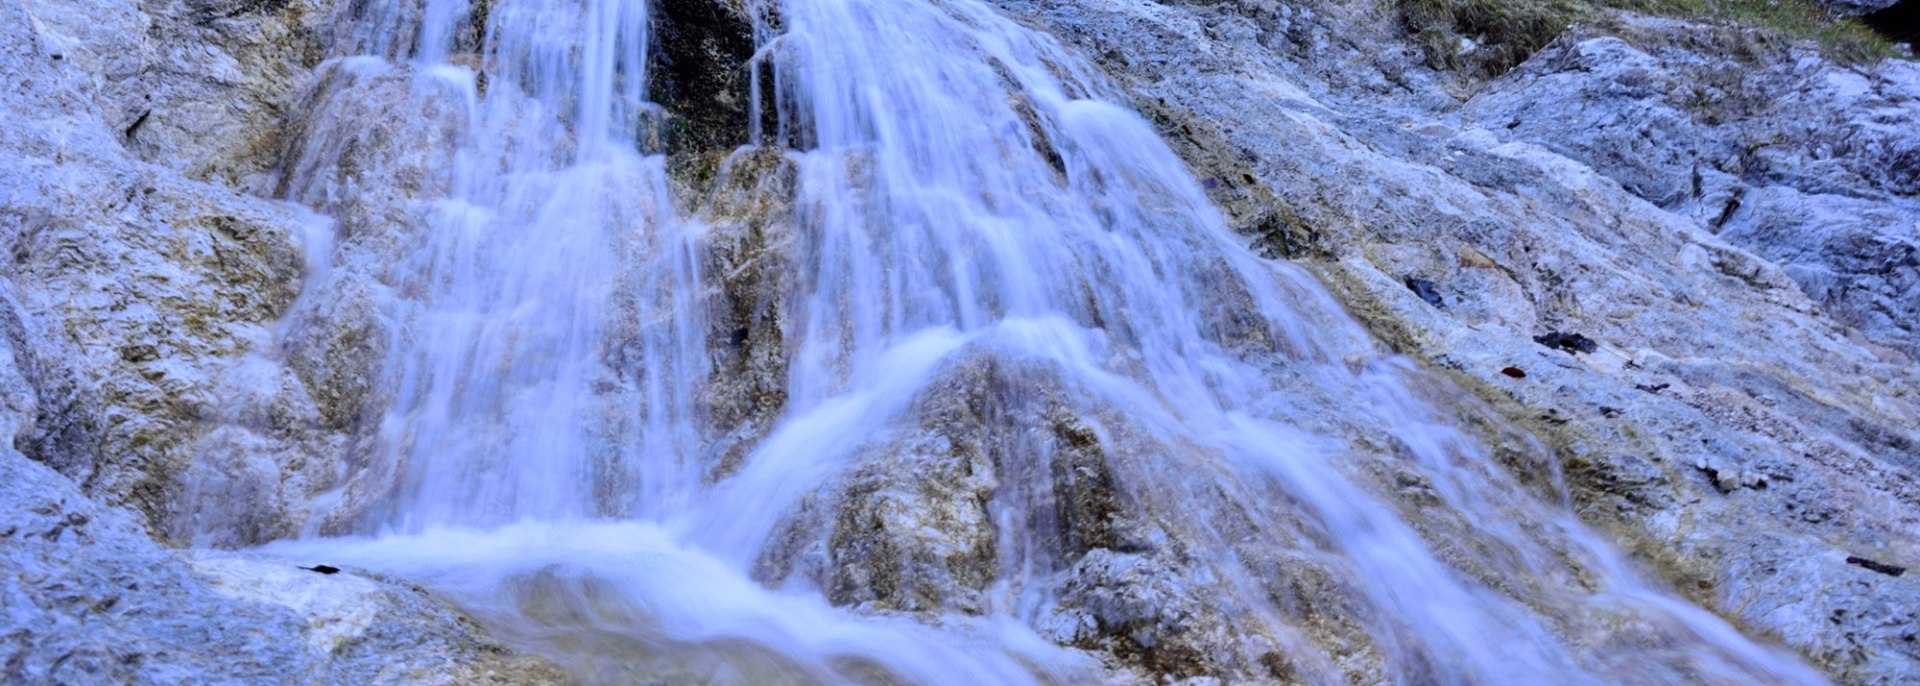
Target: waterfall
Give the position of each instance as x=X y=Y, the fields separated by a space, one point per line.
x=981 y=225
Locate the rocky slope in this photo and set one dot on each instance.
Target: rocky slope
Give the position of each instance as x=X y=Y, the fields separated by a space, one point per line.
x=139 y=272
x=1729 y=218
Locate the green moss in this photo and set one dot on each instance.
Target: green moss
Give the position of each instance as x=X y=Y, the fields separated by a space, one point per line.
x=1507 y=32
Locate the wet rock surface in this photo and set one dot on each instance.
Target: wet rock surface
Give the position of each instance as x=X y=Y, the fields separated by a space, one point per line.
x=137 y=278
x=702 y=75
x=153 y=280
x=87 y=597
x=753 y=255
x=1696 y=436
x=1727 y=221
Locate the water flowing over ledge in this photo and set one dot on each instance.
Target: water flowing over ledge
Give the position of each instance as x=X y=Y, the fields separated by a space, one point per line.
x=968 y=202
x=884 y=342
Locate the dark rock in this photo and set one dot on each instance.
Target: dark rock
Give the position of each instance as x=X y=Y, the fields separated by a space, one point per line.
x=1278 y=234
x=1425 y=290
x=1899 y=22
x=1570 y=342
x=139 y=353
x=1086 y=500
x=133 y=128
x=210 y=12
x=1881 y=567
x=1514 y=372
x=700 y=74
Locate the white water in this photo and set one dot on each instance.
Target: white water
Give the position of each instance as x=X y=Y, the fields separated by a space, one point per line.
x=968 y=190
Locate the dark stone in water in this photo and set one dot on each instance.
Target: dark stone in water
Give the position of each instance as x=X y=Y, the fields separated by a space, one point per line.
x=323 y=569
x=1570 y=342
x=699 y=71
x=1881 y=567
x=1514 y=372
x=1425 y=290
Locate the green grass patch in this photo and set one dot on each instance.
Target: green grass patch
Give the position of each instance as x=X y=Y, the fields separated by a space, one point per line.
x=1504 y=33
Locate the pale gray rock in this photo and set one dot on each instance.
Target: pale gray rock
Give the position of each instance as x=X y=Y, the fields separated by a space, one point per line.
x=1858 y=258
x=1602 y=102
x=1725 y=411
x=753 y=253
x=143 y=284
x=1810 y=163
x=86 y=597
x=296 y=421
x=197 y=86
x=133 y=293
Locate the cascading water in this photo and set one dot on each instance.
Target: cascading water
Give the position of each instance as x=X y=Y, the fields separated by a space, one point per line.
x=973 y=210
x=548 y=196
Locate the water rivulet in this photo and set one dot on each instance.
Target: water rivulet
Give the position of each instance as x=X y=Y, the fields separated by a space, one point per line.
x=950 y=375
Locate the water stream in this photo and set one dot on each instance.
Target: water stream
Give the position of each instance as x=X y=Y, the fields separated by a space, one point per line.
x=976 y=207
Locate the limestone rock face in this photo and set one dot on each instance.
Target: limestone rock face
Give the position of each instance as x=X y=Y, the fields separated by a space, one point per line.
x=195 y=86
x=134 y=287
x=1732 y=221
x=1752 y=386
x=291 y=429
x=87 y=597
x=752 y=256
x=143 y=283
x=1803 y=161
